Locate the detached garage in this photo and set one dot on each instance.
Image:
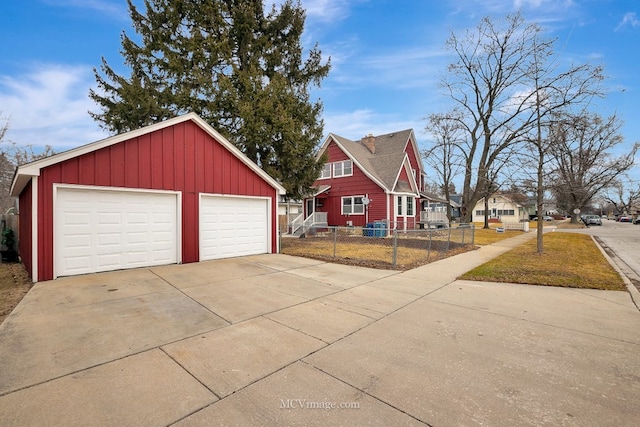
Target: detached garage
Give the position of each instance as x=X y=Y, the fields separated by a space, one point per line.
x=173 y=192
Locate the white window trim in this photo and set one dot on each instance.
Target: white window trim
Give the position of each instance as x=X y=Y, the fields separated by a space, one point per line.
x=342 y=163
x=413 y=206
x=353 y=204
x=401 y=209
x=322 y=176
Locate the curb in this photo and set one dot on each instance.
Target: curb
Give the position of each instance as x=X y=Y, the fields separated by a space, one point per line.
x=633 y=291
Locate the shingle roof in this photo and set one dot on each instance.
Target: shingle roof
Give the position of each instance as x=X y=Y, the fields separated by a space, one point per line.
x=385 y=164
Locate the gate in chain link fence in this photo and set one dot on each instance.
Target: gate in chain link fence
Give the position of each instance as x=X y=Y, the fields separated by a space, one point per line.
x=380 y=247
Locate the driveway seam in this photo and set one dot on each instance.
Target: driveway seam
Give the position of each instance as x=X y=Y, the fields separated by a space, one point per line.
x=192 y=376
x=366 y=393
x=191 y=298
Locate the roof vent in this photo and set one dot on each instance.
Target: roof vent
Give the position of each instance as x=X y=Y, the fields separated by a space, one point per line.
x=369 y=141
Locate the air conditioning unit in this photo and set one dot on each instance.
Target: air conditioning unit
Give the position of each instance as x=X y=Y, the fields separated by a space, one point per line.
x=349 y=223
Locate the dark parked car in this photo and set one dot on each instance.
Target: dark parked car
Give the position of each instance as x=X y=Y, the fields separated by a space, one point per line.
x=624 y=218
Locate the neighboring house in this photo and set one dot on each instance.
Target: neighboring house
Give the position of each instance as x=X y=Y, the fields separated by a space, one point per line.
x=173 y=192
x=434 y=210
x=549 y=206
x=501 y=208
x=456 y=206
x=376 y=179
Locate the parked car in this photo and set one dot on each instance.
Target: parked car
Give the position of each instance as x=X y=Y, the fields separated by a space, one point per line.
x=593 y=220
x=544 y=218
x=637 y=220
x=624 y=218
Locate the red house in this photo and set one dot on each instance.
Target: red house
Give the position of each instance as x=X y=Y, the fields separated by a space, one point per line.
x=378 y=178
x=173 y=192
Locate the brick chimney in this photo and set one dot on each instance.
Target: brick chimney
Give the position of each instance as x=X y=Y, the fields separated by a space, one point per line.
x=369 y=141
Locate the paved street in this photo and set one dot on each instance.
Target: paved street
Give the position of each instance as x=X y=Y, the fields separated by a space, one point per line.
x=621 y=241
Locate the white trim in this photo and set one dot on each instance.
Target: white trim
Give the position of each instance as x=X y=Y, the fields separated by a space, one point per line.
x=416 y=152
x=406 y=165
x=178 y=195
x=270 y=224
x=341 y=162
x=364 y=208
x=34 y=229
x=330 y=170
x=33 y=169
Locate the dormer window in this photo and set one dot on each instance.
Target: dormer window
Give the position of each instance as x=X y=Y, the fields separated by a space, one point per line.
x=343 y=168
x=326 y=171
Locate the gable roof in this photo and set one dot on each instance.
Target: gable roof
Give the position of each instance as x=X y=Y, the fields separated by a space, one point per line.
x=385 y=165
x=25 y=172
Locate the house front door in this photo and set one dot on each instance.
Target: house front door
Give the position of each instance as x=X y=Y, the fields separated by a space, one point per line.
x=310 y=205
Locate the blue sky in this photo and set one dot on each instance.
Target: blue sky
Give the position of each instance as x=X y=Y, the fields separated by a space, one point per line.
x=387 y=58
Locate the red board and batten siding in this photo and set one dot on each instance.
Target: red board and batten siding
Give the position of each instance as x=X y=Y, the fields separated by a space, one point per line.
x=181 y=158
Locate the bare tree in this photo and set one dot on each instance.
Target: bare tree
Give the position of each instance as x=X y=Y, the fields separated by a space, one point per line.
x=443 y=153
x=11 y=156
x=505 y=84
x=486 y=82
x=623 y=195
x=6 y=169
x=555 y=91
x=584 y=165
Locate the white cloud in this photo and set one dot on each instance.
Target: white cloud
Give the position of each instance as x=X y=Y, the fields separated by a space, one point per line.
x=321 y=10
x=105 y=7
x=358 y=123
x=327 y=10
x=48 y=105
x=630 y=19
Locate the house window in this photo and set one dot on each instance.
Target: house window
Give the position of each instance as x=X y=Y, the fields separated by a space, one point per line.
x=399 y=205
x=343 y=168
x=410 y=206
x=480 y=212
x=352 y=205
x=326 y=171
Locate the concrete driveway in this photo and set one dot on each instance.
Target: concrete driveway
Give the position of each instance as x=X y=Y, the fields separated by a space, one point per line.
x=279 y=340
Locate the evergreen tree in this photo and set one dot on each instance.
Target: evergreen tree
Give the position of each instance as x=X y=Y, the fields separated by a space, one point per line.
x=240 y=69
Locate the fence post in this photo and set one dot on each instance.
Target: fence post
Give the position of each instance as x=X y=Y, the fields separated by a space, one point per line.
x=335 y=240
x=395 y=247
x=473 y=233
x=429 y=247
x=463 y=235
x=448 y=240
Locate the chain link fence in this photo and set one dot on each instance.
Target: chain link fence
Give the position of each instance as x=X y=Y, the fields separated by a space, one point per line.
x=379 y=247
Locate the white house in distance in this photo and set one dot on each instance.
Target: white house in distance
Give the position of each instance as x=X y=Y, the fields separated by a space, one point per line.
x=501 y=209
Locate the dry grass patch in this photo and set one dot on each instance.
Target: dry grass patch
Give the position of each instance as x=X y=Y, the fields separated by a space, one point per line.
x=366 y=252
x=569 y=260
x=14 y=285
x=485 y=236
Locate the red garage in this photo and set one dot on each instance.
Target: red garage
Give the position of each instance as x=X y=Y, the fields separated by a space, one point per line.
x=173 y=192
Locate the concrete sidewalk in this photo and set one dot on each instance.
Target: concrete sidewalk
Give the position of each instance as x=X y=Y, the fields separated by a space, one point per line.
x=279 y=340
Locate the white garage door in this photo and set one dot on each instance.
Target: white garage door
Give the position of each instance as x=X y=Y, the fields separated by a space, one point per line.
x=233 y=226
x=101 y=230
